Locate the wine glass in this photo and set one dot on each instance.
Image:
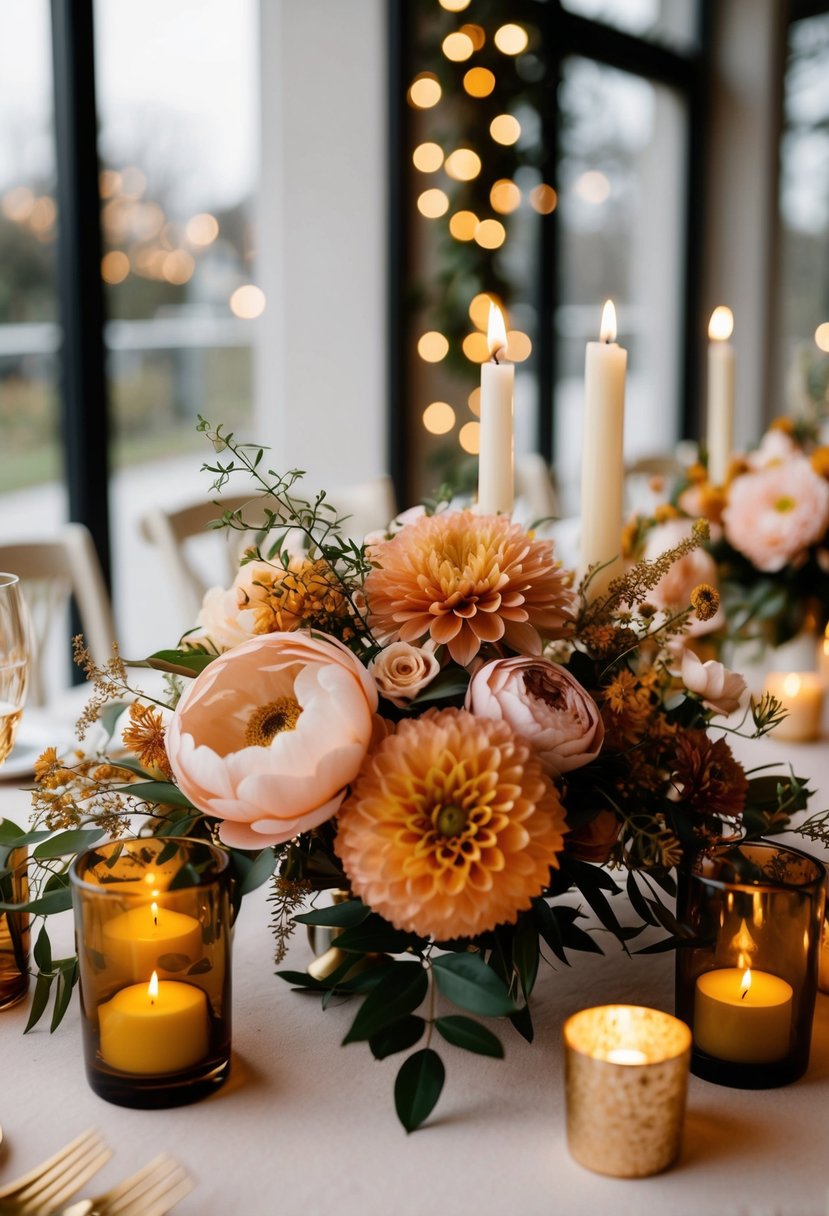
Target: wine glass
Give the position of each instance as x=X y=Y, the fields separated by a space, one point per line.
x=15 y=658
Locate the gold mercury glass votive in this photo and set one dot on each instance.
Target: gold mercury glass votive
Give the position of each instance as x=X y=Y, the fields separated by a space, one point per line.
x=152 y=927
x=14 y=927
x=626 y=1079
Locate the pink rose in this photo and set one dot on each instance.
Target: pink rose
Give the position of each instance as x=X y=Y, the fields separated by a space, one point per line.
x=269 y=735
x=401 y=671
x=545 y=704
x=673 y=591
x=719 y=688
x=773 y=515
x=775 y=448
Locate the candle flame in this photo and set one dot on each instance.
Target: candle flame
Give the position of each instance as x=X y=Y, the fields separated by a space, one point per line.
x=721 y=325
x=744 y=944
x=626 y=1055
x=154 y=911
x=496 y=331
x=745 y=983
x=152 y=987
x=758 y=915
x=791 y=684
x=607 y=330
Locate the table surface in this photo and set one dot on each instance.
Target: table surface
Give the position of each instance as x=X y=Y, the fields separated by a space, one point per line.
x=306 y=1125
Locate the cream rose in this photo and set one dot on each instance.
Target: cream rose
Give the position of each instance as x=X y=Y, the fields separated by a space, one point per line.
x=719 y=688
x=401 y=671
x=542 y=702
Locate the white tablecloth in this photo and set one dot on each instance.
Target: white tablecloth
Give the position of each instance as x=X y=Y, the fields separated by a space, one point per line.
x=305 y=1126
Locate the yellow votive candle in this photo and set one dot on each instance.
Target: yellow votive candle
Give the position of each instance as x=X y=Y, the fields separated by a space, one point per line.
x=154 y=1028
x=743 y=1016
x=152 y=938
x=801 y=694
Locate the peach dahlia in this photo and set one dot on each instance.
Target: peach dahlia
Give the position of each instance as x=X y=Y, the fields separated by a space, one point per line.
x=452 y=826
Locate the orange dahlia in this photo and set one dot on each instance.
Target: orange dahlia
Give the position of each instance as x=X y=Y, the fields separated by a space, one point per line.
x=465 y=579
x=451 y=827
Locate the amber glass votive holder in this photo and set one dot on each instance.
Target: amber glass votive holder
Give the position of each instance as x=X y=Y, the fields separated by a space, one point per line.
x=626 y=1079
x=746 y=985
x=14 y=927
x=152 y=929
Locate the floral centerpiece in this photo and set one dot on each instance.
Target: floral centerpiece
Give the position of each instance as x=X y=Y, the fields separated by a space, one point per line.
x=439 y=726
x=768 y=553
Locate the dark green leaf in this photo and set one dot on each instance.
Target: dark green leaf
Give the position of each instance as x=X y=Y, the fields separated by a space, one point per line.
x=74 y=841
x=259 y=872
x=179 y=662
x=418 y=1087
x=525 y=952
x=43 y=950
x=301 y=979
x=523 y=1023
x=638 y=902
x=162 y=793
x=549 y=930
x=374 y=935
x=470 y=1036
x=400 y=992
x=10 y=833
x=67 y=977
x=185 y=876
x=109 y=716
x=39 y=1001
x=669 y=943
x=199 y=968
x=588 y=876
x=466 y=980
x=452 y=682
x=344 y=916
x=48 y=904
x=399 y=1036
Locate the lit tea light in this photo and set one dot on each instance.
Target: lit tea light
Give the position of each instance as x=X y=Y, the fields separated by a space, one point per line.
x=616 y=1123
x=742 y=1015
x=151 y=938
x=801 y=695
x=154 y=1028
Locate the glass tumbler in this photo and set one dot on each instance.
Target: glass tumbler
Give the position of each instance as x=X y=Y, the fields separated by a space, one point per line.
x=152 y=929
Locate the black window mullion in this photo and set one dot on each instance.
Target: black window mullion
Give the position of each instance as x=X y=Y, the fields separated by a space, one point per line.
x=84 y=408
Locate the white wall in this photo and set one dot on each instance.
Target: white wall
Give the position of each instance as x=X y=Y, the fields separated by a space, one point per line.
x=321 y=363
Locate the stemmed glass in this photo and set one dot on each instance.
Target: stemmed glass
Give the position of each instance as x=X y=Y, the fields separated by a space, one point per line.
x=14 y=660
x=15 y=657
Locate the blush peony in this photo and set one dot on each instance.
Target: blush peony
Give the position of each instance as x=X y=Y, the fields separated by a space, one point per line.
x=451 y=827
x=544 y=704
x=775 y=514
x=267 y=738
x=463 y=579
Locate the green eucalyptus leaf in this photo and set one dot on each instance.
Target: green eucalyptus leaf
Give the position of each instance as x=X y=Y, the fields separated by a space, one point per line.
x=178 y=662
x=466 y=980
x=399 y=1036
x=48 y=904
x=42 y=951
x=40 y=1000
x=66 y=979
x=109 y=716
x=162 y=793
x=343 y=916
x=374 y=935
x=418 y=1087
x=523 y=1023
x=470 y=1035
x=400 y=991
x=525 y=952
x=451 y=682
x=259 y=872
x=74 y=841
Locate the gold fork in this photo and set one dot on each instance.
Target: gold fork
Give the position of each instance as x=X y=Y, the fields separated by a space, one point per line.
x=55 y=1180
x=153 y=1191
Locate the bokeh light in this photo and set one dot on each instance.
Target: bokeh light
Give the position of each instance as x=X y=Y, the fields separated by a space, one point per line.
x=519 y=346
x=18 y=203
x=43 y=215
x=455 y=6
x=490 y=234
x=504 y=196
x=439 y=418
x=178 y=267
x=427 y=157
x=202 y=229
x=479 y=309
x=457 y=47
x=133 y=182
x=543 y=198
x=433 y=346
x=109 y=183
x=511 y=39
x=593 y=187
x=469 y=437
x=822 y=336
x=115 y=266
x=433 y=203
x=505 y=129
x=463 y=225
x=424 y=91
x=474 y=401
x=248 y=302
x=475 y=34
x=476 y=348
x=463 y=164
x=479 y=82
